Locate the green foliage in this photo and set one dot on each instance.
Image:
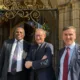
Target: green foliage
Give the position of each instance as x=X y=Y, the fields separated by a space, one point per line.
x=45 y=27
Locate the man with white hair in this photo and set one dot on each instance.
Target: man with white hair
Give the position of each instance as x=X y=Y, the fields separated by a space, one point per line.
x=39 y=59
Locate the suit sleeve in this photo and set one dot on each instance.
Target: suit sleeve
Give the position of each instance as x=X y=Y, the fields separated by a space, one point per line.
x=46 y=62
x=28 y=58
x=2 y=57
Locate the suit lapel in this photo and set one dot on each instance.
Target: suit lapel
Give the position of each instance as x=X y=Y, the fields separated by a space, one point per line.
x=10 y=45
x=61 y=53
x=38 y=50
x=74 y=55
x=24 y=54
x=34 y=51
x=41 y=46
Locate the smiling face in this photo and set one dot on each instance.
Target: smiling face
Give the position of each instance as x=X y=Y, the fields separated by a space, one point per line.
x=40 y=36
x=69 y=36
x=19 y=33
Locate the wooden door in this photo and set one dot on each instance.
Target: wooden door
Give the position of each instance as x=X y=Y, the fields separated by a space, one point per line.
x=4 y=32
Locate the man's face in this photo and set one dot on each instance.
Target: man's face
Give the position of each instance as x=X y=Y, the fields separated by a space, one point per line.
x=69 y=36
x=39 y=36
x=19 y=33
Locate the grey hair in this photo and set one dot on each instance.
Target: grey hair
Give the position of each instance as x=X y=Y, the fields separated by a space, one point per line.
x=40 y=30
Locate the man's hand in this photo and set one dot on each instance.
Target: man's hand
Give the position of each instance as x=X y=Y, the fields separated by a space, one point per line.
x=28 y=64
x=44 y=57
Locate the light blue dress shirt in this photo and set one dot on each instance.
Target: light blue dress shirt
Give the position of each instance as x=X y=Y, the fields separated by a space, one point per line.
x=62 y=61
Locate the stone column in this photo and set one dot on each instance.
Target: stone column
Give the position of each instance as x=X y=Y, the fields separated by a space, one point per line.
x=76 y=17
x=1 y=2
x=67 y=15
x=61 y=25
x=64 y=20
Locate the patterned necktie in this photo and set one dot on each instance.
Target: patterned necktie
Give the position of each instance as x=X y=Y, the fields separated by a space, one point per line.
x=65 y=64
x=14 y=59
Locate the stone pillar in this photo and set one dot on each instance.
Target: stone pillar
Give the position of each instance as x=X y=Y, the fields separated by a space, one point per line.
x=67 y=16
x=64 y=20
x=76 y=18
x=61 y=25
x=1 y=2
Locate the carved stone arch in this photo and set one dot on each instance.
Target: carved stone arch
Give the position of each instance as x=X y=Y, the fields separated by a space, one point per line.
x=46 y=3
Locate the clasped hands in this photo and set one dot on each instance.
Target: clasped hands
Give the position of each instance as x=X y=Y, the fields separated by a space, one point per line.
x=28 y=64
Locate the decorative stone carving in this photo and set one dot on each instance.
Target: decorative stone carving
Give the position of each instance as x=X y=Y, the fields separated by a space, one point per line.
x=46 y=3
x=30 y=3
x=63 y=2
x=27 y=4
x=2 y=6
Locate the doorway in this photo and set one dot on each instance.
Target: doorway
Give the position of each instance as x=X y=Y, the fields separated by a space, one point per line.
x=29 y=33
x=47 y=17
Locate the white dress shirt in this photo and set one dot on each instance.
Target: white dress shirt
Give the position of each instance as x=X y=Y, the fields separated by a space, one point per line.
x=19 y=56
x=62 y=61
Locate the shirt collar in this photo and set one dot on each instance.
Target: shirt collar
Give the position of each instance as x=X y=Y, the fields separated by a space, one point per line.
x=19 y=41
x=39 y=44
x=71 y=46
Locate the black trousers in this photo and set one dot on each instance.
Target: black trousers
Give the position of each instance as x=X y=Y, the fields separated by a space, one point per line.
x=16 y=76
x=35 y=76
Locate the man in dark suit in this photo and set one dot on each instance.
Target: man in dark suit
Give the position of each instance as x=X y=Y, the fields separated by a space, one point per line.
x=7 y=57
x=39 y=59
x=69 y=61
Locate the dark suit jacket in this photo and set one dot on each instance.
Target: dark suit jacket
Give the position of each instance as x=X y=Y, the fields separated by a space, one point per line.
x=5 y=55
x=74 y=66
x=43 y=68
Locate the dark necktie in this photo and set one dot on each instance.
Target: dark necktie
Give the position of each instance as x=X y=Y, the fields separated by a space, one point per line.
x=14 y=58
x=65 y=64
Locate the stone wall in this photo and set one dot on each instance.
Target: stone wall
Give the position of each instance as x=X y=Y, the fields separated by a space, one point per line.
x=76 y=18
x=69 y=14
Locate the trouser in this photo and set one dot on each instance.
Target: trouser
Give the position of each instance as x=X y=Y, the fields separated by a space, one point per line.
x=16 y=76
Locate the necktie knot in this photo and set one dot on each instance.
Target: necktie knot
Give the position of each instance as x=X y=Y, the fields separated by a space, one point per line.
x=18 y=41
x=67 y=48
